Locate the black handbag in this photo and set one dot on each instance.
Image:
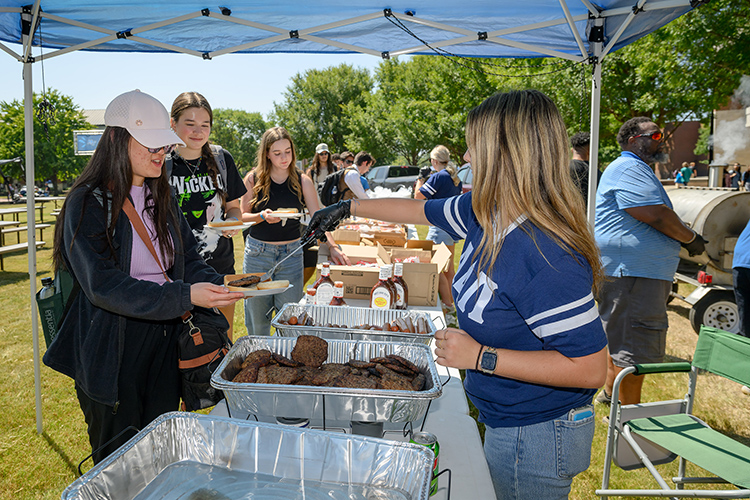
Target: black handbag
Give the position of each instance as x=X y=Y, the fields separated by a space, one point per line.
x=201 y=346
x=202 y=343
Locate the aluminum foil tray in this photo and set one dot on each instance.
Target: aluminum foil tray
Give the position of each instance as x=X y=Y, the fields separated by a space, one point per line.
x=190 y=456
x=340 y=404
x=350 y=316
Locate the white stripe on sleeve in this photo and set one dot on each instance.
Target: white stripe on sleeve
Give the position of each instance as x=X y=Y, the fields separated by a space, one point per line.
x=558 y=310
x=567 y=324
x=450 y=207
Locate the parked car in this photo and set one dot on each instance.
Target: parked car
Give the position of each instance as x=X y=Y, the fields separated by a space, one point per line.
x=392 y=176
x=467 y=178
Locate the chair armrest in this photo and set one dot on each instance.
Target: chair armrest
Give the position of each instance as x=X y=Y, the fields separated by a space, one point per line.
x=681 y=366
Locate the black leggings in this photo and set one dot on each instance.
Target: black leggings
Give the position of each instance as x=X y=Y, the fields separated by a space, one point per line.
x=148 y=385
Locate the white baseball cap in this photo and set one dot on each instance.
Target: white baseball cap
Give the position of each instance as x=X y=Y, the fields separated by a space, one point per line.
x=321 y=147
x=144 y=117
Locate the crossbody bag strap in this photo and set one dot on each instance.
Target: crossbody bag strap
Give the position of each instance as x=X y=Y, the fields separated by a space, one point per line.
x=140 y=228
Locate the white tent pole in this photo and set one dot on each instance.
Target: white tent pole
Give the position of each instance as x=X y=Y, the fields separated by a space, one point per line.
x=596 y=95
x=28 y=119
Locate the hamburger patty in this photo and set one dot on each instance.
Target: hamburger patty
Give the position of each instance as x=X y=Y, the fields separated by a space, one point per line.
x=310 y=350
x=245 y=282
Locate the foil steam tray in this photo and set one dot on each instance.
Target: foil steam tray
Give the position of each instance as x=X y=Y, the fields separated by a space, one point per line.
x=341 y=404
x=351 y=317
x=281 y=462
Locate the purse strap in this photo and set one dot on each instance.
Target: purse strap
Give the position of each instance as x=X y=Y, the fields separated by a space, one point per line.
x=140 y=228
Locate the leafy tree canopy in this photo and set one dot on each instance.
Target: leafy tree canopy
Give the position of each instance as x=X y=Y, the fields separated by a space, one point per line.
x=238 y=132
x=54 y=156
x=314 y=107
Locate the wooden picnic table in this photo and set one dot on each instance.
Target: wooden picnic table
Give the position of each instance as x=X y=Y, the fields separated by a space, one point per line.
x=15 y=211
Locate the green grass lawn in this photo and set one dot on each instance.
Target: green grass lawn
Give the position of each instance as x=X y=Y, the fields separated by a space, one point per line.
x=40 y=466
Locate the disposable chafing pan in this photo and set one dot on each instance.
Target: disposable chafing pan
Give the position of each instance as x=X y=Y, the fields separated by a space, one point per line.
x=196 y=442
x=350 y=317
x=329 y=403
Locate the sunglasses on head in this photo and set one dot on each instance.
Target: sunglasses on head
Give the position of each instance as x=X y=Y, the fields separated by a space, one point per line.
x=656 y=136
x=167 y=149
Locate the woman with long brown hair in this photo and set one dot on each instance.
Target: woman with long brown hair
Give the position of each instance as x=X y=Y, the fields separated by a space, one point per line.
x=531 y=340
x=273 y=184
x=119 y=338
x=207 y=184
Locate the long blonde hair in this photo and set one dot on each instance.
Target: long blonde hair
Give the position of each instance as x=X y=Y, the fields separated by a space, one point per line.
x=441 y=155
x=519 y=157
x=262 y=170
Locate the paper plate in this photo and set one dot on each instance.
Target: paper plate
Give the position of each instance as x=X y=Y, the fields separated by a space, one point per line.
x=287 y=215
x=238 y=227
x=251 y=292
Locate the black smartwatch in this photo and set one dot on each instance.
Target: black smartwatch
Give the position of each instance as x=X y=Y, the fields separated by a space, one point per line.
x=489 y=361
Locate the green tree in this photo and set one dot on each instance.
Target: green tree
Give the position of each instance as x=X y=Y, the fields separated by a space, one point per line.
x=54 y=156
x=315 y=103
x=239 y=132
x=419 y=104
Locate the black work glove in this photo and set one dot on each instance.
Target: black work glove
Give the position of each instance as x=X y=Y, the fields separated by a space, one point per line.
x=696 y=246
x=424 y=172
x=327 y=219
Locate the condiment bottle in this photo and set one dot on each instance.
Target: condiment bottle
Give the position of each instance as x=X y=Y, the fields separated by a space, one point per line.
x=310 y=296
x=402 y=291
x=338 y=294
x=383 y=295
x=324 y=286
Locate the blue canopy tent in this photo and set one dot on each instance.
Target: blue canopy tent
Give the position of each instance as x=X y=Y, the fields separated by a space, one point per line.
x=577 y=30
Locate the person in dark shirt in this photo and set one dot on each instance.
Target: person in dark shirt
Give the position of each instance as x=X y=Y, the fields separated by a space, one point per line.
x=204 y=195
x=579 y=164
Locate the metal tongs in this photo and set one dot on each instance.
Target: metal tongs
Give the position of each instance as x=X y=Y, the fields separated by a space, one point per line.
x=315 y=236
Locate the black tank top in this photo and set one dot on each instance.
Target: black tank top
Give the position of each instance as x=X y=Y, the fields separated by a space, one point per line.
x=281 y=196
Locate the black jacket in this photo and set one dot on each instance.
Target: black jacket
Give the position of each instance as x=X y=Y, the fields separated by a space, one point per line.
x=89 y=344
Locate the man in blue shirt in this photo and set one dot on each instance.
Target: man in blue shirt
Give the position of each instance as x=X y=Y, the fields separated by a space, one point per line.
x=639 y=236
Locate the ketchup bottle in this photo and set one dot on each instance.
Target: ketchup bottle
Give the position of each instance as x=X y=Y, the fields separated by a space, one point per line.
x=324 y=286
x=338 y=294
x=382 y=295
x=402 y=291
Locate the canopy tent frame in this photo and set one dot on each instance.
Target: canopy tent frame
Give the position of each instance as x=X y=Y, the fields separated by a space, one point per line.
x=596 y=18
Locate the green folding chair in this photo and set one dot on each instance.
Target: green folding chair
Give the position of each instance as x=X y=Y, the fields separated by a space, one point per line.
x=648 y=434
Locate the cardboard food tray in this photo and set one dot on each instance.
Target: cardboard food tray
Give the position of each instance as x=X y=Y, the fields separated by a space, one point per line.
x=197 y=442
x=351 y=317
x=341 y=404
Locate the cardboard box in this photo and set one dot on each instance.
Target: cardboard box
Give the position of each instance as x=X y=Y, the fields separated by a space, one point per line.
x=359 y=280
x=421 y=278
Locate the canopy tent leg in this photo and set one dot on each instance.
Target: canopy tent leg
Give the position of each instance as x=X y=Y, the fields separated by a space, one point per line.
x=28 y=119
x=596 y=95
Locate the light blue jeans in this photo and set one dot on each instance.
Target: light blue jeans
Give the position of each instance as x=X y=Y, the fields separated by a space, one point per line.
x=259 y=258
x=539 y=461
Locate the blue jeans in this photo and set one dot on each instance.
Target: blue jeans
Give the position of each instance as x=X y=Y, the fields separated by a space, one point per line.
x=259 y=258
x=538 y=461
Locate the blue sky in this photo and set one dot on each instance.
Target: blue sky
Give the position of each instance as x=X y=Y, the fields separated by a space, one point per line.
x=252 y=82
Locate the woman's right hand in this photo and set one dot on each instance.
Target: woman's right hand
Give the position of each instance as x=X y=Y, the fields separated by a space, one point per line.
x=209 y=295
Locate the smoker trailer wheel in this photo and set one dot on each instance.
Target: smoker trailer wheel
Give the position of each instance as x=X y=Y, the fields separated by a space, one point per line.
x=718 y=310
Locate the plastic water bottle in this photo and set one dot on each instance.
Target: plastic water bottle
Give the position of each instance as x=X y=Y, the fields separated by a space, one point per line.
x=48 y=288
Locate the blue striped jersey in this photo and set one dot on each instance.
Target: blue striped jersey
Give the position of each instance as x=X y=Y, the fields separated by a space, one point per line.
x=536 y=296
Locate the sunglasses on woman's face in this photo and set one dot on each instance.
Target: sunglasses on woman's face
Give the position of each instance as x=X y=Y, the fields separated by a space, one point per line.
x=167 y=149
x=655 y=136
x=349 y=162
x=323 y=153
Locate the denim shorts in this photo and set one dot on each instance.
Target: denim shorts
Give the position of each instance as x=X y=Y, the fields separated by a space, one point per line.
x=539 y=461
x=438 y=236
x=259 y=258
x=634 y=315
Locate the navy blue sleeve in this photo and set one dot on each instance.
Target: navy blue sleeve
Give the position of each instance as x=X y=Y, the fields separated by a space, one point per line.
x=453 y=215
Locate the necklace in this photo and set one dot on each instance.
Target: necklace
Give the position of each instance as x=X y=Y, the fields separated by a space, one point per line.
x=192 y=167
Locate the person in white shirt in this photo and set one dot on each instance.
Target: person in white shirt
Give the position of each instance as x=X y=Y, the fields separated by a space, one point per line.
x=353 y=178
